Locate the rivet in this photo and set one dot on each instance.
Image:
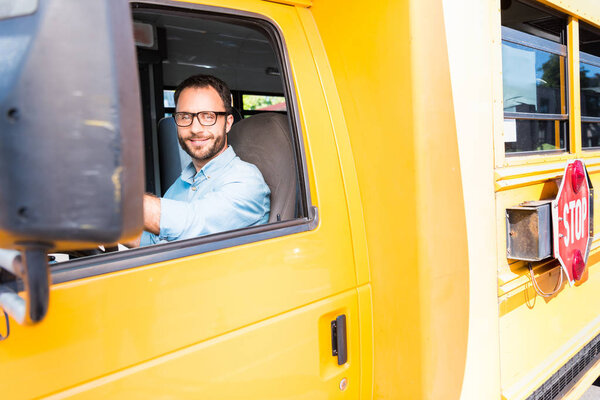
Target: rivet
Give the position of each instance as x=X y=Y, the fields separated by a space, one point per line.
x=344 y=384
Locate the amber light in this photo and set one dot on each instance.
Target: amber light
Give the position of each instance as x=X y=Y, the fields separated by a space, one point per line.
x=577 y=176
x=578 y=265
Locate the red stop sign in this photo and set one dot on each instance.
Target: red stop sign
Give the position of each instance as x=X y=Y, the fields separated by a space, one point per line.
x=571 y=220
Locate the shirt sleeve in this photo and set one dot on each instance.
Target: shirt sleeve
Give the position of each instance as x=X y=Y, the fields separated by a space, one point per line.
x=148 y=239
x=235 y=204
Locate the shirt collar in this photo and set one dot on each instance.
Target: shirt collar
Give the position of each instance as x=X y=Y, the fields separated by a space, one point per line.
x=189 y=173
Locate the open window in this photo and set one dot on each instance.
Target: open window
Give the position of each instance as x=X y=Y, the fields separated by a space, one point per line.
x=534 y=73
x=248 y=53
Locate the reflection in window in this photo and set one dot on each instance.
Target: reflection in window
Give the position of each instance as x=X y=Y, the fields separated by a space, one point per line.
x=591 y=134
x=533 y=80
x=590 y=90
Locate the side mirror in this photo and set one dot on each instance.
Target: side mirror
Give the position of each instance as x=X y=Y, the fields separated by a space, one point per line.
x=70 y=138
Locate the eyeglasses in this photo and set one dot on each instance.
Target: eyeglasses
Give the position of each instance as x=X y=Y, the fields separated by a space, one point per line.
x=206 y=118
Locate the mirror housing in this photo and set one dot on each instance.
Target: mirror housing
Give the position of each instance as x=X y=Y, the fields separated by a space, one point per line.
x=70 y=132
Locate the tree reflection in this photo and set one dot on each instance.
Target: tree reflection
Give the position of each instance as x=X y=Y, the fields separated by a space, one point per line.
x=551 y=72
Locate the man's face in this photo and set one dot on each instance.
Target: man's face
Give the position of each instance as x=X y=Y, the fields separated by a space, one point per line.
x=203 y=143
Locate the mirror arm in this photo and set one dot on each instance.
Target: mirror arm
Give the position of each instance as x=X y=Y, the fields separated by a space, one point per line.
x=31 y=266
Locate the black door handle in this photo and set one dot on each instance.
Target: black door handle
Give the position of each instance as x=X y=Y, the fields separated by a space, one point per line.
x=339 y=346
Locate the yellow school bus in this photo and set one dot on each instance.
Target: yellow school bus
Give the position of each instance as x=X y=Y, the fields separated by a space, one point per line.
x=400 y=132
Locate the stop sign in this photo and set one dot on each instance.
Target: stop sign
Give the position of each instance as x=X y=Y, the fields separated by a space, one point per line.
x=571 y=224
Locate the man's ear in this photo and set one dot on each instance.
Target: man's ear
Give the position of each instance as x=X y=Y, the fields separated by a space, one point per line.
x=229 y=123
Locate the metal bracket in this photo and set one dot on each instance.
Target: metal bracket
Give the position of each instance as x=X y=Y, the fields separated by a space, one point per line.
x=31 y=266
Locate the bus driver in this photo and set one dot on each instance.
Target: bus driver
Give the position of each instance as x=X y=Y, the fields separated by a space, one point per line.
x=217 y=191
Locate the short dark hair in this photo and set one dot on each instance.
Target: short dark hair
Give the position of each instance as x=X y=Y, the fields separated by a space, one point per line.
x=203 y=81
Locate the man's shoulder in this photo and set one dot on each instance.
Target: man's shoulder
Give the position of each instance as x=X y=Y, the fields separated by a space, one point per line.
x=240 y=171
x=241 y=166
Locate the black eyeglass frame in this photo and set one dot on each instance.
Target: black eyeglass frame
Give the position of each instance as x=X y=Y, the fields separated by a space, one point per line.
x=197 y=116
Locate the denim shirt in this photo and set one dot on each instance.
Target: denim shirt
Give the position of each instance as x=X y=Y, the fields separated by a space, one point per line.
x=227 y=193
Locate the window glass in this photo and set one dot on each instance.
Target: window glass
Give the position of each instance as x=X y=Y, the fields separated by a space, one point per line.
x=534 y=78
x=534 y=135
x=590 y=132
x=256 y=102
x=169 y=98
x=589 y=77
x=590 y=90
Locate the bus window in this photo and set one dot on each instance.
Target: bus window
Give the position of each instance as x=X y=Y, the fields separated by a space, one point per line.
x=589 y=72
x=169 y=102
x=534 y=78
x=243 y=52
x=257 y=103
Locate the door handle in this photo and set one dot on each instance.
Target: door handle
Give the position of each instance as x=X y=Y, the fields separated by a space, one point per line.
x=339 y=346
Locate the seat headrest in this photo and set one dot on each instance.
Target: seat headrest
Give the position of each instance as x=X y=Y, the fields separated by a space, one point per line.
x=265 y=141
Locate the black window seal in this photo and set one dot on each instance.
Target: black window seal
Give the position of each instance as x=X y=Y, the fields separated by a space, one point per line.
x=123 y=260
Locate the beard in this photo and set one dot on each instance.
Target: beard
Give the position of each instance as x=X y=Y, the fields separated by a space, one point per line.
x=206 y=152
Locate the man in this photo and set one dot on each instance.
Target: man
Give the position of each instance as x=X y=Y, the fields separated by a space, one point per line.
x=217 y=191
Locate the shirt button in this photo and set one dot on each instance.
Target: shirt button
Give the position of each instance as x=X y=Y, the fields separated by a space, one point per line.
x=194 y=188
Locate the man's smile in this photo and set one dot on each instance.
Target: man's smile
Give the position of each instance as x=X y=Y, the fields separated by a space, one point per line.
x=198 y=140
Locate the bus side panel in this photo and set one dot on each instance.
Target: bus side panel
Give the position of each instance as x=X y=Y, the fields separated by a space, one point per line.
x=390 y=63
x=216 y=318
x=472 y=63
x=273 y=359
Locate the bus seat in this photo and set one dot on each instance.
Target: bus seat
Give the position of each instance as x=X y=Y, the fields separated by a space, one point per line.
x=264 y=140
x=172 y=158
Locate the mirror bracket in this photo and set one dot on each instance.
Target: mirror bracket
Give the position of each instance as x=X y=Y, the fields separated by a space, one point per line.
x=31 y=267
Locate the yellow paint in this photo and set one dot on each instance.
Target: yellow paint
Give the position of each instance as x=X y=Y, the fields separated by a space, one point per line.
x=242 y=364
x=102 y=124
x=574 y=90
x=302 y=3
x=586 y=10
x=401 y=116
x=134 y=331
x=404 y=145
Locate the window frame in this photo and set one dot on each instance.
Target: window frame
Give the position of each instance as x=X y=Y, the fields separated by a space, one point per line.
x=123 y=260
x=534 y=42
x=594 y=61
x=589 y=59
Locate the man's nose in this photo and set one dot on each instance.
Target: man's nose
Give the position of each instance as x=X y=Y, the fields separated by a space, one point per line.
x=196 y=125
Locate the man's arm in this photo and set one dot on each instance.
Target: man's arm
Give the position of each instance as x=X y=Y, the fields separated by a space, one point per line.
x=151 y=214
x=151 y=206
x=239 y=203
